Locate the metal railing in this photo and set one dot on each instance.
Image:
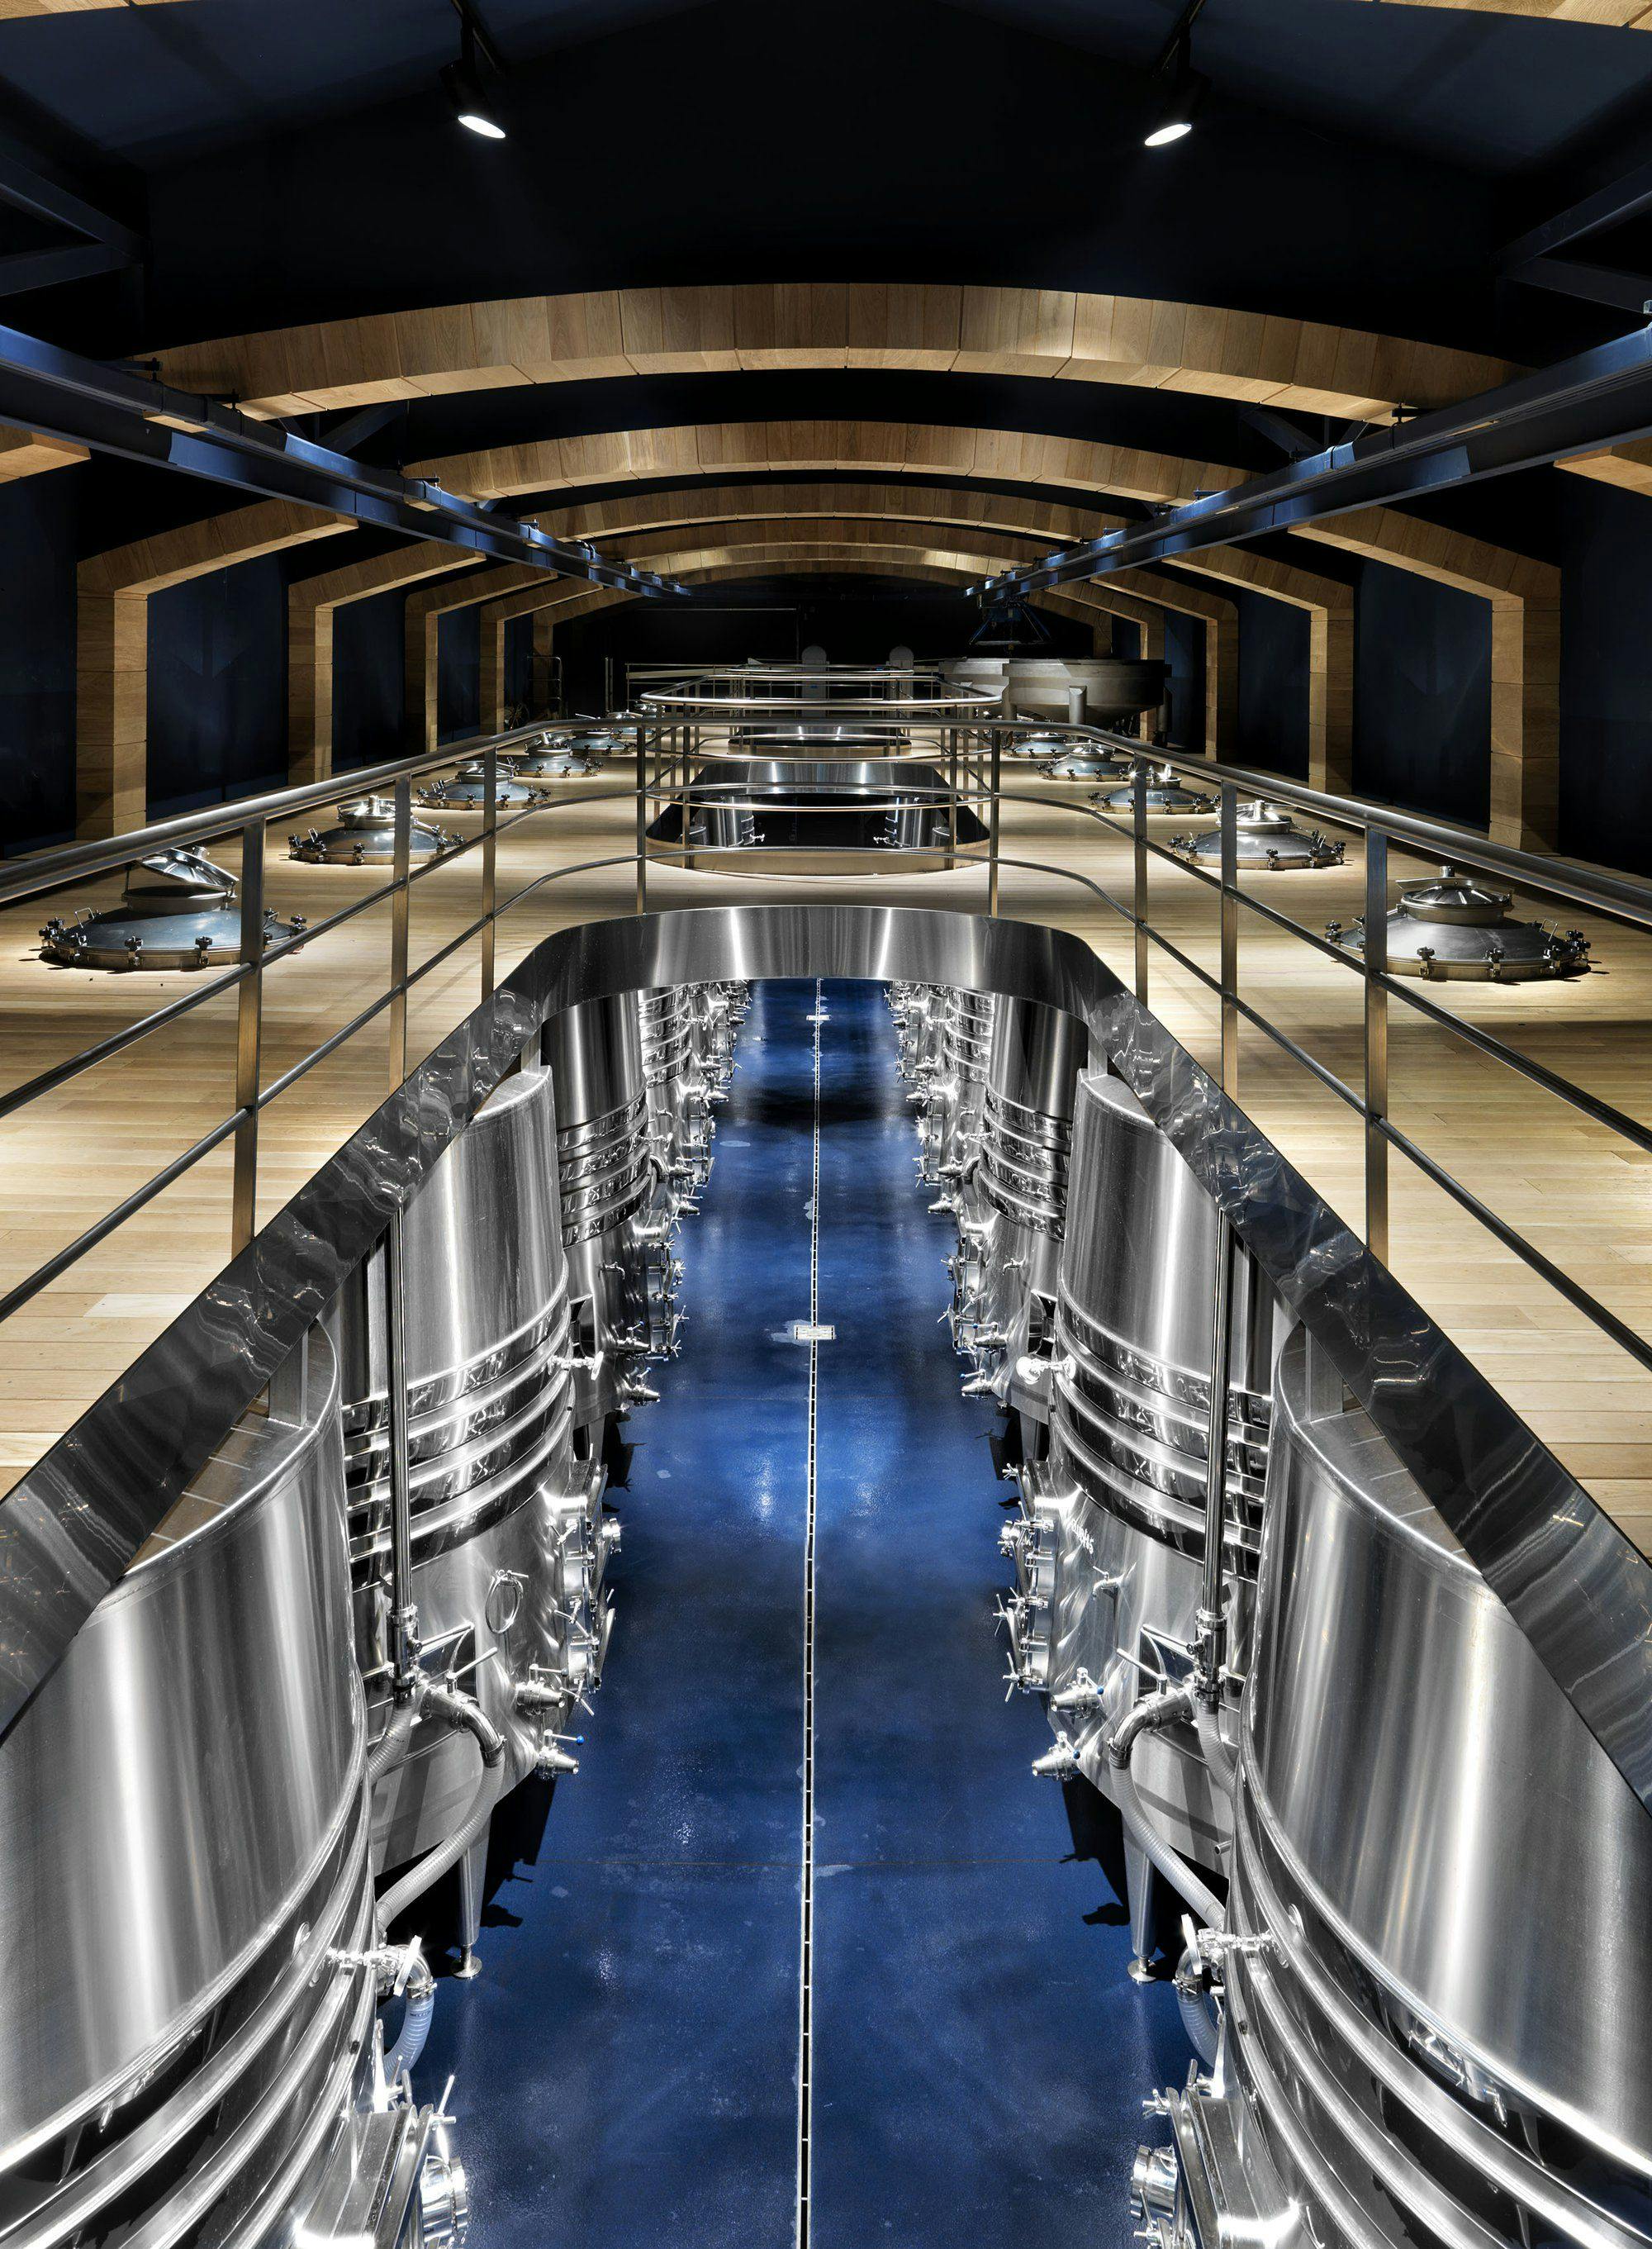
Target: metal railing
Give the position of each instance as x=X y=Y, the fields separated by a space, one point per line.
x=1577 y=1590
x=967 y=758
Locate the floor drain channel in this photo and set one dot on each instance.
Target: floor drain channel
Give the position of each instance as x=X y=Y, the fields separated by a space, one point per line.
x=812 y=1331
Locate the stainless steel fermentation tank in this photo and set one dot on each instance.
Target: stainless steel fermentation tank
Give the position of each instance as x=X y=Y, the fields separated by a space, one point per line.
x=187 y=2046
x=1009 y=1199
x=636 y=1078
x=1109 y=1548
x=1436 y=1970
x=949 y=1081
x=618 y=1214
x=508 y=1534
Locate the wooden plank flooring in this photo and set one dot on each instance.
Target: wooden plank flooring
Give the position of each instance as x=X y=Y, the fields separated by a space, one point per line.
x=1584 y=1197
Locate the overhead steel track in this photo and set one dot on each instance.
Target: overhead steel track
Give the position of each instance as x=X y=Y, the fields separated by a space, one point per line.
x=122 y=411
x=1601 y=397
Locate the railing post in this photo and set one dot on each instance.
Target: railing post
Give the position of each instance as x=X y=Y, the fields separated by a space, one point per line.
x=954 y=808
x=1212 y=1630
x=243 y=1201
x=1138 y=826
x=992 y=828
x=643 y=818
x=490 y=865
x=400 y=900
x=1376 y=1043
x=1228 y=803
x=404 y=1614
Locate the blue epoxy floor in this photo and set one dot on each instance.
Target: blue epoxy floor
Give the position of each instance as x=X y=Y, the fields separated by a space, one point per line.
x=628 y=2059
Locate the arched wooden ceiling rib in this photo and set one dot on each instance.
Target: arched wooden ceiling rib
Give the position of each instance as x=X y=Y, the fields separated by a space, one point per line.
x=897 y=550
x=940 y=328
x=1328 y=604
x=559 y=605
x=615 y=519
x=1614 y=15
x=1524 y=594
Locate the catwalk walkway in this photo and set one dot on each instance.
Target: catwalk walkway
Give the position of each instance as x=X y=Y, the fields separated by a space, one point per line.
x=703 y=2019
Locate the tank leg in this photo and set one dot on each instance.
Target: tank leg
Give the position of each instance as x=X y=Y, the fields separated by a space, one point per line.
x=1139 y=1879
x=473 y=1870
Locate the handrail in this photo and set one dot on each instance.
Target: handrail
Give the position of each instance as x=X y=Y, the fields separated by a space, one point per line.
x=1577 y=1589
x=974 y=755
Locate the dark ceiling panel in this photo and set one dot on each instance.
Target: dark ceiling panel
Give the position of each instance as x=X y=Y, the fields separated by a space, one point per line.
x=888 y=139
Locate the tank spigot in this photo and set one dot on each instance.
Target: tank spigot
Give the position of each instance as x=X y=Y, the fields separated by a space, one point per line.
x=1060 y=1763
x=1153 y=2182
x=1080 y=1695
x=553 y=1761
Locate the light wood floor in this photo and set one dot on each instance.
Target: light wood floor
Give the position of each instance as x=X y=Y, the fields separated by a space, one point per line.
x=1585 y=1198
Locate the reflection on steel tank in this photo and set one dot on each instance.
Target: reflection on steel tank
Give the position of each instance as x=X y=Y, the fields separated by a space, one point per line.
x=1110 y=1547
x=608 y=1174
x=190 y=2050
x=951 y=1088
x=509 y=1533
x=629 y=1165
x=1010 y=1203
x=1435 y=1974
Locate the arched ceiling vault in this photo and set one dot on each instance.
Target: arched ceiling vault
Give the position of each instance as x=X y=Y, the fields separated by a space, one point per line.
x=937 y=328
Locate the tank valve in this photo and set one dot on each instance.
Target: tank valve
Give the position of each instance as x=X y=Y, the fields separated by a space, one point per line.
x=981 y=1386
x=636 y=1391
x=1153 y=2182
x=1060 y=1763
x=444 y=2195
x=610 y=1531
x=553 y=1761
x=1080 y=1695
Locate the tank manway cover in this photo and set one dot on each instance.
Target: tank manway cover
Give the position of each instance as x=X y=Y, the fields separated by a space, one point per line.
x=1452 y=927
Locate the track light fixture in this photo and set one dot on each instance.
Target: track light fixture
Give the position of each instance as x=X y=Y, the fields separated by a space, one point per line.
x=1184 y=88
x=462 y=80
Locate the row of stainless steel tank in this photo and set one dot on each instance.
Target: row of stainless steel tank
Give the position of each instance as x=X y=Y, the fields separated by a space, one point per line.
x=993 y=1080
x=1416 y=1958
x=377 y=1609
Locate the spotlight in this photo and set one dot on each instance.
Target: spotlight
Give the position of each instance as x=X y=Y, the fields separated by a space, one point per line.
x=1185 y=88
x=1176 y=118
x=462 y=80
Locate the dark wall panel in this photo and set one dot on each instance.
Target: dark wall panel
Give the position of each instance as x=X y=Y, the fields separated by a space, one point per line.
x=1605 y=676
x=518 y=664
x=1422 y=695
x=1273 y=685
x=218 y=686
x=39 y=531
x=368 y=680
x=458 y=672
x=1184 y=653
